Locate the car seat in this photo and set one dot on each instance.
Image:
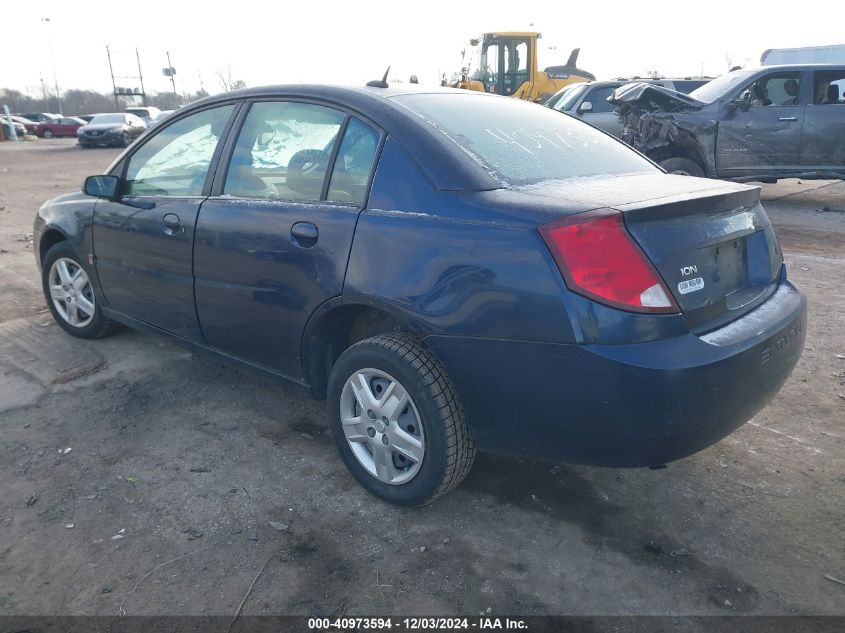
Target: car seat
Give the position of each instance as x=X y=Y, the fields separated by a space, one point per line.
x=790 y=86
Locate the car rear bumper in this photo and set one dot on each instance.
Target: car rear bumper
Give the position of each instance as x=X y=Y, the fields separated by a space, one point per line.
x=625 y=405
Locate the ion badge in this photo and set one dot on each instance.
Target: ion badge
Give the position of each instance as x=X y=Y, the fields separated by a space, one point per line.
x=691 y=285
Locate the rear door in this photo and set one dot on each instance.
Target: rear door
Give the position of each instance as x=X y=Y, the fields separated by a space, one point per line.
x=766 y=138
x=272 y=244
x=823 y=140
x=143 y=242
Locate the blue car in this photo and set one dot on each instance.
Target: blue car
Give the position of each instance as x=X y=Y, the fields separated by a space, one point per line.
x=452 y=271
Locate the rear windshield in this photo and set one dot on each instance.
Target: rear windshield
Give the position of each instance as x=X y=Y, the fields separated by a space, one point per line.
x=521 y=143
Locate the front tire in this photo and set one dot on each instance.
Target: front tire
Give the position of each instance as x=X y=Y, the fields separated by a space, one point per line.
x=47 y=134
x=397 y=421
x=682 y=166
x=71 y=295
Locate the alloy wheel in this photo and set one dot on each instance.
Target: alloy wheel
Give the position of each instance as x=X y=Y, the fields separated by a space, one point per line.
x=71 y=292
x=382 y=426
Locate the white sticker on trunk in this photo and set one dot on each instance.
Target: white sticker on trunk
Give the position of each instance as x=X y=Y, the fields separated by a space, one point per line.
x=691 y=285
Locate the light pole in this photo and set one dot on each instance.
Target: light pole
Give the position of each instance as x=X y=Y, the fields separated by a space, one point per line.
x=53 y=62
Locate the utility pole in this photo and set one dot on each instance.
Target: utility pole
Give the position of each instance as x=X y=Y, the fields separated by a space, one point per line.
x=53 y=62
x=141 y=77
x=44 y=92
x=171 y=73
x=113 y=85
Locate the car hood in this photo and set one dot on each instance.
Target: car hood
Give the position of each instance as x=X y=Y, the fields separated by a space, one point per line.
x=648 y=97
x=101 y=127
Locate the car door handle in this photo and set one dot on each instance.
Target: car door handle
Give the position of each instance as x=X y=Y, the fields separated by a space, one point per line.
x=172 y=223
x=304 y=234
x=787 y=118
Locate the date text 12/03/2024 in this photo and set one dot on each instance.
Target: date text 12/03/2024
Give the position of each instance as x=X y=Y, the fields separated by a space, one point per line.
x=482 y=623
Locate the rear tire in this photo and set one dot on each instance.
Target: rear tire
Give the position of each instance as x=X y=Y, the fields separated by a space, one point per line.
x=71 y=296
x=48 y=134
x=444 y=446
x=682 y=166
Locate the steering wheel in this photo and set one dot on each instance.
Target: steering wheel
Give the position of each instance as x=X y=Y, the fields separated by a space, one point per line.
x=306 y=170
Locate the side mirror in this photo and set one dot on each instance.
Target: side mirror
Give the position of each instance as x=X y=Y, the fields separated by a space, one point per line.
x=743 y=102
x=101 y=186
x=586 y=106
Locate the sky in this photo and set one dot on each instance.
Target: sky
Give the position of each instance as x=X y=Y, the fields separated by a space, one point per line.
x=349 y=42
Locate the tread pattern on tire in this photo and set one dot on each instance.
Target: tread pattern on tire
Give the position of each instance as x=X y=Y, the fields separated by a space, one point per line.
x=460 y=448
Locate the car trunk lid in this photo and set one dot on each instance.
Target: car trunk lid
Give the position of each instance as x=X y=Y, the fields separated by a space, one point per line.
x=711 y=241
x=716 y=251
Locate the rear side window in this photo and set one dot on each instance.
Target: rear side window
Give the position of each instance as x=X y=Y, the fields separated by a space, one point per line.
x=354 y=163
x=283 y=151
x=829 y=87
x=175 y=161
x=522 y=143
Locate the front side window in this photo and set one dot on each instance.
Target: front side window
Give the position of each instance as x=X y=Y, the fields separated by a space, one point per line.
x=175 y=161
x=351 y=172
x=570 y=95
x=598 y=97
x=283 y=151
x=776 y=90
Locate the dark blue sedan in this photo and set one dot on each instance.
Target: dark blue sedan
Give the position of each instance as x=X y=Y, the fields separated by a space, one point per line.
x=451 y=270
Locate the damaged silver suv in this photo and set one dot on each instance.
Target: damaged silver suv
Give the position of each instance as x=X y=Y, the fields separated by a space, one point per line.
x=757 y=124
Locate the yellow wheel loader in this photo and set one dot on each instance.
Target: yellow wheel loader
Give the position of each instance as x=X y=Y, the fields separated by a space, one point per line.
x=506 y=64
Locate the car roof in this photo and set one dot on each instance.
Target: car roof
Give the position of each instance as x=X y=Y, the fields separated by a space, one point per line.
x=443 y=161
x=795 y=67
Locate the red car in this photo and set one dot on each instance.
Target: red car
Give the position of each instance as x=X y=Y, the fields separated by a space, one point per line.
x=65 y=126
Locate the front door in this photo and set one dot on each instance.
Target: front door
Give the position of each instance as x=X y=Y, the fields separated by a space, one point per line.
x=143 y=242
x=602 y=113
x=273 y=244
x=767 y=136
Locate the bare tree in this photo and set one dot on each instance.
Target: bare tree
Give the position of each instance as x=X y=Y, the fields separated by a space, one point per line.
x=654 y=74
x=226 y=81
x=733 y=62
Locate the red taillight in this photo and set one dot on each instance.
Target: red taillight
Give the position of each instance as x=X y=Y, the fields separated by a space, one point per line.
x=600 y=260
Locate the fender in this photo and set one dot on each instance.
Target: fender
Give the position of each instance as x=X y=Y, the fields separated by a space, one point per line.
x=72 y=215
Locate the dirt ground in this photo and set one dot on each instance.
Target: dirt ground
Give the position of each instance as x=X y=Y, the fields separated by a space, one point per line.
x=137 y=477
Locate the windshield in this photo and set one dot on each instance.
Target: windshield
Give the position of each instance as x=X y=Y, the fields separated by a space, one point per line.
x=102 y=119
x=570 y=95
x=474 y=61
x=709 y=92
x=520 y=143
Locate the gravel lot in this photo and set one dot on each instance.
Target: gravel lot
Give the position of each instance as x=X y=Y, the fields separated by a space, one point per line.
x=136 y=476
